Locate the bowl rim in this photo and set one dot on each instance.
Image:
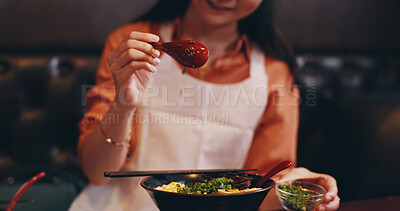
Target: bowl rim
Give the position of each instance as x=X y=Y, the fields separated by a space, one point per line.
x=206 y=195
x=299 y=182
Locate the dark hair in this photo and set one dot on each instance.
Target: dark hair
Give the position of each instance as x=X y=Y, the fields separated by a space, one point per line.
x=259 y=27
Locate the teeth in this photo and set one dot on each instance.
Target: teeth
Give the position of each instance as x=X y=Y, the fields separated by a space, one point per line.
x=217 y=7
x=214 y=5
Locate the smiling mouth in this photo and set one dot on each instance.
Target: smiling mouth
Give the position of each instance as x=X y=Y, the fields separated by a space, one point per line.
x=218 y=7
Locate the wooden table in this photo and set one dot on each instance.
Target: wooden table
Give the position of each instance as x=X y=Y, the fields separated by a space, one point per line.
x=384 y=204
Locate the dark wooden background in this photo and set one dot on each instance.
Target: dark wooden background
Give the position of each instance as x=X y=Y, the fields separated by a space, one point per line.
x=340 y=24
x=63 y=25
x=308 y=24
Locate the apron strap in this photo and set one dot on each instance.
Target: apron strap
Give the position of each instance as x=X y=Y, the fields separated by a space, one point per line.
x=257 y=63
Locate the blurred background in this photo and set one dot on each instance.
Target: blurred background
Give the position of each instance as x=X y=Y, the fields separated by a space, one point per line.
x=349 y=58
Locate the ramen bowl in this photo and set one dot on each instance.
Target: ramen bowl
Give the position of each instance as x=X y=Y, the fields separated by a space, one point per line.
x=164 y=200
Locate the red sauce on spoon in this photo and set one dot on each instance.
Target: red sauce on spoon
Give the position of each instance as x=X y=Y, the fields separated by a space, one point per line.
x=188 y=53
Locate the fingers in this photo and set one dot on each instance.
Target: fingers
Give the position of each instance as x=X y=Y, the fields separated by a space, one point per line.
x=295 y=174
x=333 y=205
x=144 y=75
x=142 y=36
x=138 y=41
x=331 y=186
x=328 y=182
x=131 y=64
x=331 y=199
x=134 y=44
x=134 y=55
x=130 y=68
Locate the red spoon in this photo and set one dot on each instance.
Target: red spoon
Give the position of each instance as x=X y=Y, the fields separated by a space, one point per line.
x=188 y=53
x=281 y=166
x=23 y=188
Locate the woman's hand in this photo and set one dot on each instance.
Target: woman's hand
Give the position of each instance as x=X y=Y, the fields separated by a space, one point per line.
x=131 y=64
x=331 y=200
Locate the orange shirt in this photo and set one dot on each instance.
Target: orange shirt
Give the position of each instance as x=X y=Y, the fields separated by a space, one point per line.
x=275 y=138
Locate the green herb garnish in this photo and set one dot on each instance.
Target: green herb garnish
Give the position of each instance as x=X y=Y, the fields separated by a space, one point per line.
x=208 y=186
x=184 y=71
x=300 y=203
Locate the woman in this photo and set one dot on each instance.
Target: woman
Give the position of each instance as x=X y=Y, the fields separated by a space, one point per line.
x=240 y=110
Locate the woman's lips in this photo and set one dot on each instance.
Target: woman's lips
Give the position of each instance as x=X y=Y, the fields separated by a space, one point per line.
x=218 y=7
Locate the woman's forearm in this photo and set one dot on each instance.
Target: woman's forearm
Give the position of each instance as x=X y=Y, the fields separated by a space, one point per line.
x=134 y=53
x=97 y=155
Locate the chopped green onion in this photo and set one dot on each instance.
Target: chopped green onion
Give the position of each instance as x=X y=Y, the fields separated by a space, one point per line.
x=208 y=187
x=303 y=202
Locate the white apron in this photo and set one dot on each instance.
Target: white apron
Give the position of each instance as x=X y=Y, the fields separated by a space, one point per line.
x=185 y=123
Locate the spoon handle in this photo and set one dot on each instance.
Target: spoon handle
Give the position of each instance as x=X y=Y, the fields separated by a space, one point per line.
x=281 y=166
x=159 y=46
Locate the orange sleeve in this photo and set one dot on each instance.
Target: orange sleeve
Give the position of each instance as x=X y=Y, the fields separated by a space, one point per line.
x=275 y=138
x=100 y=97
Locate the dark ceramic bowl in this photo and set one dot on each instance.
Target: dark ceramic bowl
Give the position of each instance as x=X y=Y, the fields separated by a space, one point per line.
x=181 y=201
